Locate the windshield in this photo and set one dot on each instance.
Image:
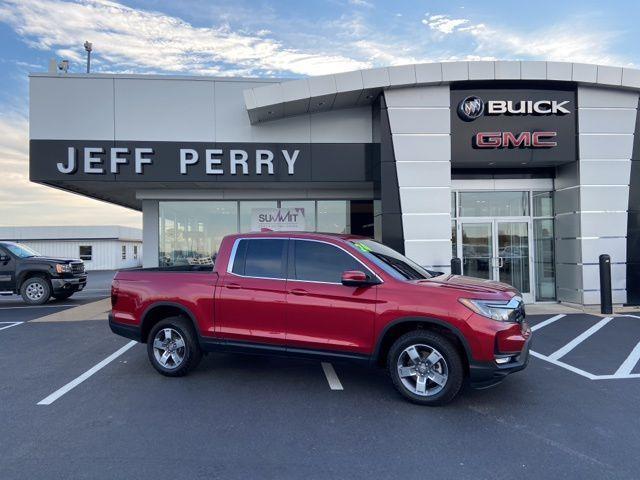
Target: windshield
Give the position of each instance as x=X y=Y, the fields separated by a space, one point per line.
x=392 y=262
x=21 y=251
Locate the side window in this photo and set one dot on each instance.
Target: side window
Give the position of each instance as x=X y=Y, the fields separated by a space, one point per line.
x=86 y=252
x=321 y=262
x=260 y=257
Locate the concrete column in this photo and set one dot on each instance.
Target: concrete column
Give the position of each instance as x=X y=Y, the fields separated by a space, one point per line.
x=592 y=196
x=420 y=125
x=150 y=233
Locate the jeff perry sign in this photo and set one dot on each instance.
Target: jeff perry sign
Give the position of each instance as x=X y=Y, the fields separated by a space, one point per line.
x=513 y=126
x=60 y=160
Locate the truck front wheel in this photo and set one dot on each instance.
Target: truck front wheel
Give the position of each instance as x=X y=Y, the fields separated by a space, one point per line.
x=425 y=368
x=36 y=291
x=173 y=348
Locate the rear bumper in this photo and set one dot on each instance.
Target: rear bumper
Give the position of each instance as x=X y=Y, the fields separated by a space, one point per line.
x=488 y=374
x=127 y=331
x=71 y=284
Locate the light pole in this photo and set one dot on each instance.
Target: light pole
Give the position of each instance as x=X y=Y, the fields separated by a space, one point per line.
x=88 y=46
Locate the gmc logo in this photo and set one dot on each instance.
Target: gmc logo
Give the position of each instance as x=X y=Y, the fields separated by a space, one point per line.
x=511 y=140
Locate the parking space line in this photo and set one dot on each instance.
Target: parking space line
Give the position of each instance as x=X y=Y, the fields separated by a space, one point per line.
x=561 y=352
x=10 y=324
x=571 y=368
x=332 y=377
x=629 y=364
x=36 y=306
x=546 y=322
x=74 y=383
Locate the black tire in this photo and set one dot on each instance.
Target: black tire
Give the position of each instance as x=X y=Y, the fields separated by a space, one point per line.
x=452 y=363
x=190 y=353
x=63 y=295
x=36 y=290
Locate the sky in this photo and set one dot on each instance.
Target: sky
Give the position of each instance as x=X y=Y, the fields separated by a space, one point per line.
x=288 y=39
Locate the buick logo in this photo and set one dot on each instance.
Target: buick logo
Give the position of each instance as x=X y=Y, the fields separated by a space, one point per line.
x=470 y=108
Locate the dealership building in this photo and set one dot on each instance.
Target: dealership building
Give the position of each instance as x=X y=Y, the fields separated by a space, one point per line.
x=526 y=171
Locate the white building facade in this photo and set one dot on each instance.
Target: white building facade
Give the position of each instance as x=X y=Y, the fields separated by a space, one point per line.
x=99 y=247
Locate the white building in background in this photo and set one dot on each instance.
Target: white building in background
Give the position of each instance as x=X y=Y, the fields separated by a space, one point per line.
x=108 y=247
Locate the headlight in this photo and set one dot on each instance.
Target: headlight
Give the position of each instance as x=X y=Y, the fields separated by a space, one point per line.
x=503 y=311
x=63 y=268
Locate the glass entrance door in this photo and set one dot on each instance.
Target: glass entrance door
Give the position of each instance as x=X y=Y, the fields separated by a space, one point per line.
x=497 y=250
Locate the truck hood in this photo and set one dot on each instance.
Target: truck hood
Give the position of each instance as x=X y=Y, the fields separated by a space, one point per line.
x=49 y=260
x=471 y=285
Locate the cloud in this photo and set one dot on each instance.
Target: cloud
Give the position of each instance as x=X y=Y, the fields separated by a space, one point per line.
x=361 y=3
x=26 y=203
x=130 y=39
x=559 y=42
x=443 y=23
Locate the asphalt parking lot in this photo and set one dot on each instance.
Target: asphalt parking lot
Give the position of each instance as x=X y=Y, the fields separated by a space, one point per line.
x=573 y=412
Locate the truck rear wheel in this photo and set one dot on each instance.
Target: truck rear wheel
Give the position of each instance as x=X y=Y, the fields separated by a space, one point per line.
x=35 y=290
x=425 y=368
x=172 y=347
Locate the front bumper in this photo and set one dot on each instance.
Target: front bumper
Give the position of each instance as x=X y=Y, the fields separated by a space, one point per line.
x=70 y=284
x=488 y=374
x=127 y=331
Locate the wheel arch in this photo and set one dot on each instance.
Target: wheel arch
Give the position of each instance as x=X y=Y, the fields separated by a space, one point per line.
x=27 y=274
x=399 y=327
x=158 y=311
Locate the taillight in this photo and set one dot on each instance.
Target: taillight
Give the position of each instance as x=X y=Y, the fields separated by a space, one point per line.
x=114 y=293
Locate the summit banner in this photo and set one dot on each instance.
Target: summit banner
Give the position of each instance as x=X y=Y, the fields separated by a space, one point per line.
x=278 y=219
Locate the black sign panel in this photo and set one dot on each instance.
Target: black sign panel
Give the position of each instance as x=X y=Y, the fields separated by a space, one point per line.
x=515 y=125
x=73 y=160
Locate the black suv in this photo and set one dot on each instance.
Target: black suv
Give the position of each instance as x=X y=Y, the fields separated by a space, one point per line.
x=38 y=278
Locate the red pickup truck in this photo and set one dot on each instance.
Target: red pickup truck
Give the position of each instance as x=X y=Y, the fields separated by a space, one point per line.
x=324 y=296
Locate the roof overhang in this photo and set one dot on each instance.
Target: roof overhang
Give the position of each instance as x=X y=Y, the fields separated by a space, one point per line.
x=361 y=87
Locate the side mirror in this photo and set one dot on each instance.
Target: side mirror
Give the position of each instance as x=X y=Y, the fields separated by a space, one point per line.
x=356 y=278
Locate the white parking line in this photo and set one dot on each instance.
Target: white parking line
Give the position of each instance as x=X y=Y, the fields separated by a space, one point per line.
x=631 y=361
x=332 y=377
x=74 y=383
x=546 y=322
x=9 y=324
x=561 y=352
x=37 y=306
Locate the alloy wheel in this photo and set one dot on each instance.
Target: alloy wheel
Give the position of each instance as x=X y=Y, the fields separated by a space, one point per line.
x=422 y=370
x=169 y=348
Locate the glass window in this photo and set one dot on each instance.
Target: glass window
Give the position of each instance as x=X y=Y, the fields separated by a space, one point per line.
x=124 y=252
x=321 y=262
x=86 y=252
x=454 y=239
x=308 y=209
x=543 y=245
x=392 y=262
x=262 y=258
x=494 y=204
x=191 y=232
x=333 y=216
x=453 y=205
x=542 y=204
x=247 y=211
x=21 y=251
x=135 y=252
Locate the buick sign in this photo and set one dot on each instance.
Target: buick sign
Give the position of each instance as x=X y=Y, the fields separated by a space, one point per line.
x=470 y=108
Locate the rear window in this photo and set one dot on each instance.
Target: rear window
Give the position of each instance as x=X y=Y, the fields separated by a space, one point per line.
x=260 y=257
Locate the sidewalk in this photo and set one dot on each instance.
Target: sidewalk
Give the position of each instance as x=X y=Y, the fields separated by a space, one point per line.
x=566 y=308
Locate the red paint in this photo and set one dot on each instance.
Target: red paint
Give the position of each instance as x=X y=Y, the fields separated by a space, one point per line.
x=312 y=315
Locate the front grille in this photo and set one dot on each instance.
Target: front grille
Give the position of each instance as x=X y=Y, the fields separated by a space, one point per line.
x=77 y=267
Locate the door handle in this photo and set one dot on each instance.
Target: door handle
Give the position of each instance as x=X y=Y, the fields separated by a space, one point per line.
x=233 y=286
x=298 y=291
x=500 y=262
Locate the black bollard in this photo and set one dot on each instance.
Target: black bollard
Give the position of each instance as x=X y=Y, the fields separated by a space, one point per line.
x=456 y=266
x=606 y=306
